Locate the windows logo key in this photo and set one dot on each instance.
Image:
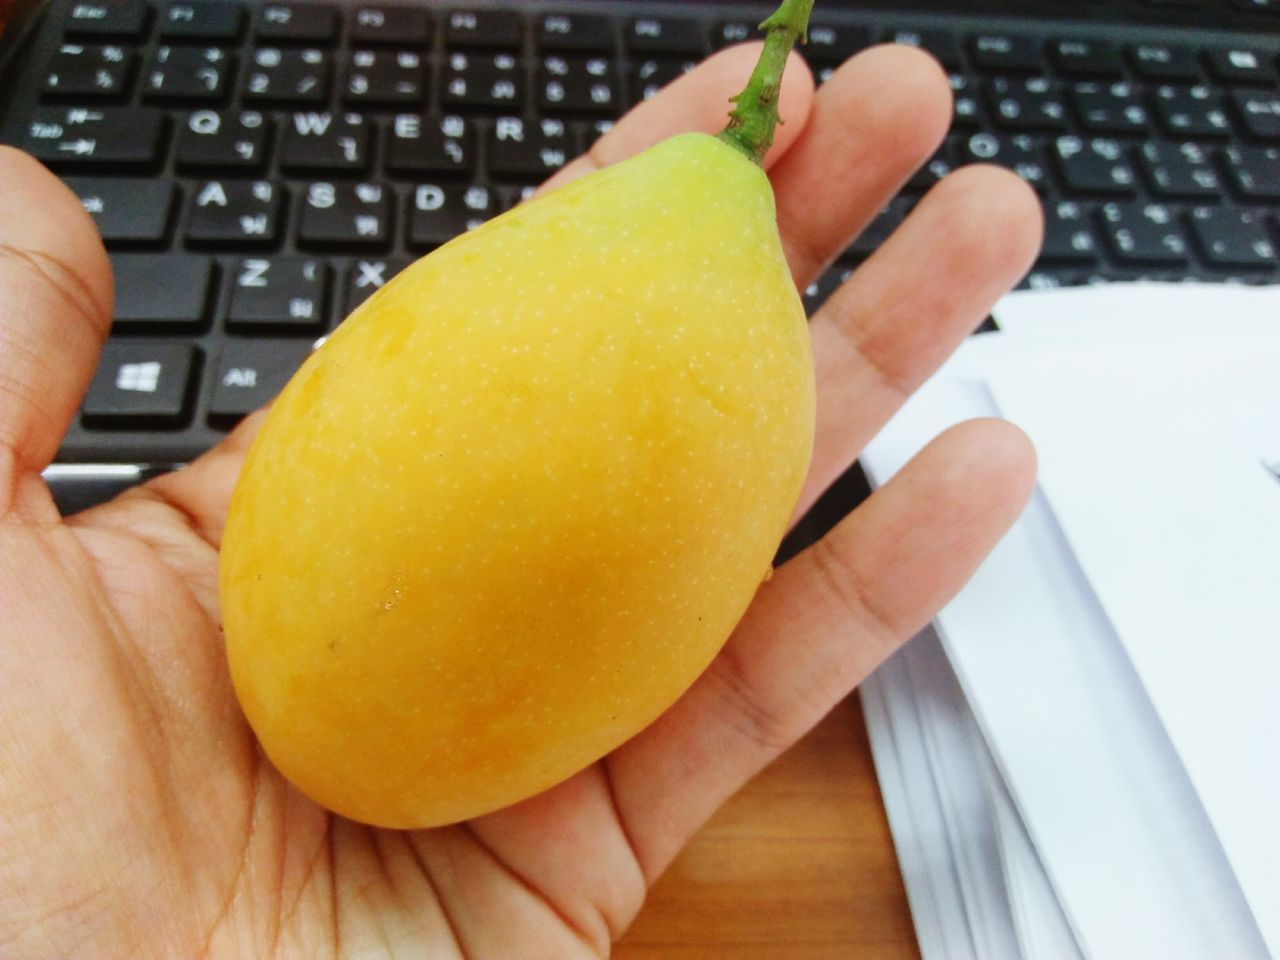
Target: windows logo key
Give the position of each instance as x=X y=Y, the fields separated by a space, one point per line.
x=141 y=377
x=140 y=382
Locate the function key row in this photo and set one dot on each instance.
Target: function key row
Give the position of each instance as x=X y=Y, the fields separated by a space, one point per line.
x=392 y=24
x=225 y=22
x=572 y=31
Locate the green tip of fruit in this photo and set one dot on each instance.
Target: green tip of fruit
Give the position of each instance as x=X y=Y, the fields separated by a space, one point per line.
x=755 y=113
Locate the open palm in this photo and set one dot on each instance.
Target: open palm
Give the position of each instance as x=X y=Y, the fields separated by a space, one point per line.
x=139 y=818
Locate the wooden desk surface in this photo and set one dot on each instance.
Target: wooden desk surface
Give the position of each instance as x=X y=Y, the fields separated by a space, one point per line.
x=798 y=866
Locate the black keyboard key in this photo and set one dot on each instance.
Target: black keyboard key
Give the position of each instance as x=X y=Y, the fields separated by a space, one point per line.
x=1110 y=108
x=346 y=215
x=400 y=26
x=1234 y=238
x=385 y=77
x=484 y=28
x=1254 y=171
x=297 y=22
x=440 y=212
x=726 y=33
x=1053 y=279
x=1259 y=111
x=1007 y=53
x=107 y=18
x=140 y=384
x=232 y=140
x=675 y=36
x=95 y=137
x=1242 y=65
x=281 y=294
x=483 y=80
x=1144 y=233
x=817 y=293
x=325 y=141
x=84 y=72
x=188 y=73
x=1191 y=111
x=415 y=145
x=1095 y=165
x=964 y=99
x=1068 y=234
x=1034 y=104
x=831 y=44
x=880 y=228
x=588 y=132
x=367 y=277
x=944 y=46
x=211 y=20
x=250 y=374
x=234 y=213
x=288 y=76
x=1022 y=154
x=944 y=160
x=1180 y=170
x=512 y=196
x=650 y=76
x=1160 y=61
x=1087 y=58
x=127 y=210
x=178 y=304
x=536 y=149
x=579 y=85
x=822 y=72
x=575 y=32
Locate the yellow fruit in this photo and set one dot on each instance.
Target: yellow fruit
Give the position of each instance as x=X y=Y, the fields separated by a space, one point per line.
x=508 y=512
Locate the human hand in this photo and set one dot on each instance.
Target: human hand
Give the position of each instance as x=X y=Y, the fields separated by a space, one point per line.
x=138 y=817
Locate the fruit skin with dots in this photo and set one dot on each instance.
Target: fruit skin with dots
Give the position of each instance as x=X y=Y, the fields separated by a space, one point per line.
x=507 y=513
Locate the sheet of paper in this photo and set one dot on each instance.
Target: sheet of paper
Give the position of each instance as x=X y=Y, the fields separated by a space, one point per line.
x=1041 y=926
x=914 y=705
x=1082 y=315
x=945 y=721
x=1121 y=833
x=1153 y=455
x=915 y=815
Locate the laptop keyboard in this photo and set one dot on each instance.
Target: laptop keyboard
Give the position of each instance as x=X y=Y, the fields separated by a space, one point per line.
x=258 y=170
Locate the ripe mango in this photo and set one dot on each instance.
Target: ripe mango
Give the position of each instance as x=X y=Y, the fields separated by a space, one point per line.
x=506 y=514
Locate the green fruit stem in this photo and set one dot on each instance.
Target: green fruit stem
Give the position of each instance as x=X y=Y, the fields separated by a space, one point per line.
x=755 y=111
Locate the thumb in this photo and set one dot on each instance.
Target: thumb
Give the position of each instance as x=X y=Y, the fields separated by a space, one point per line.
x=55 y=310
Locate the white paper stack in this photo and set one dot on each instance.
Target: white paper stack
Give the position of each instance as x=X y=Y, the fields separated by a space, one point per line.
x=1080 y=758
